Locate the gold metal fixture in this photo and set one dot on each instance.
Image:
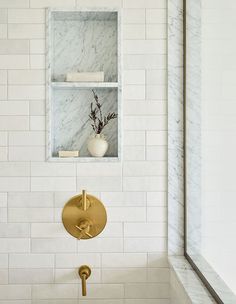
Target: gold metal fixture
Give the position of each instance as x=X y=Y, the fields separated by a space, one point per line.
x=84 y=273
x=84 y=216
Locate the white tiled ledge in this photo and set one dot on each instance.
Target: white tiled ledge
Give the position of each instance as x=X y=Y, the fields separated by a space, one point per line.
x=192 y=285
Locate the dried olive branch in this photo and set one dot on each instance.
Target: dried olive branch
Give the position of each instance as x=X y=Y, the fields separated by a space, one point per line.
x=98 y=122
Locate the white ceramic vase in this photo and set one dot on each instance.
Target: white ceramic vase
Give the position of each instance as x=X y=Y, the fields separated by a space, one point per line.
x=97 y=145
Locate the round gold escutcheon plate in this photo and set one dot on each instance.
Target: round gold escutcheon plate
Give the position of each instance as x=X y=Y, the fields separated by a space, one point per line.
x=84 y=222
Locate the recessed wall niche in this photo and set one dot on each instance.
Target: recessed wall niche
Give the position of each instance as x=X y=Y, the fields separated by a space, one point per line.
x=87 y=43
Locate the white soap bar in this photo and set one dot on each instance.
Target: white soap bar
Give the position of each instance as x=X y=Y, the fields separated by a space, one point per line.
x=83 y=77
x=68 y=153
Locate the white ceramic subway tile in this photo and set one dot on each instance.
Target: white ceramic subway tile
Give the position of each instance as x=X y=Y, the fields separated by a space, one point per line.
x=117 y=199
x=3 y=31
x=156 y=198
x=53 y=184
x=3 y=199
x=146 y=183
x=125 y=275
x=3 y=276
x=52 y=169
x=144 y=168
x=26 y=153
x=3 y=260
x=53 y=245
x=3 y=215
x=112 y=230
x=12 y=62
x=156 y=16
x=145 y=122
x=15 y=245
x=136 y=92
x=54 y=291
x=14 y=184
x=156 y=31
x=143 y=61
x=74 y=260
x=31 y=276
x=19 y=92
x=37 y=46
x=51 y=3
x=158 y=260
x=48 y=230
x=105 y=291
x=132 y=214
x=20 y=261
x=134 y=31
x=10 y=292
x=124 y=260
x=134 y=77
x=61 y=198
x=145 y=108
x=145 y=230
x=30 y=199
x=100 y=3
x=156 y=138
x=156 y=77
x=10 y=123
x=37 y=123
x=99 y=169
x=151 y=290
x=37 y=61
x=14 y=230
x=156 y=153
x=26 y=77
x=14 y=108
x=156 y=92
x=26 y=31
x=30 y=215
x=156 y=214
x=145 y=3
x=27 y=138
x=3 y=77
x=134 y=153
x=102 y=245
x=145 y=244
x=144 y=46
x=134 y=138
x=3 y=153
x=133 y=16
x=3 y=92
x=104 y=183
x=159 y=275
x=26 y=16
x=3 y=15
x=14 y=46
x=3 y=139
x=37 y=107
x=14 y=3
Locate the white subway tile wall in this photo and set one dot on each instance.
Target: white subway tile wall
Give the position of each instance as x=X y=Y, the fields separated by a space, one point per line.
x=38 y=258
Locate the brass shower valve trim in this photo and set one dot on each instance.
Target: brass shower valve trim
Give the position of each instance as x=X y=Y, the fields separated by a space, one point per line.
x=84 y=216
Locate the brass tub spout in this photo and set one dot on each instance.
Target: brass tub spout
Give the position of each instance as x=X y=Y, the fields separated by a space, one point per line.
x=84 y=273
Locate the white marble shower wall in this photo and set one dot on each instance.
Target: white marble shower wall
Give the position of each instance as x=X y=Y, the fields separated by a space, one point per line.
x=38 y=260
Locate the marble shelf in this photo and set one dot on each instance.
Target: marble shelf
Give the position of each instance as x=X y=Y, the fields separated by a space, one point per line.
x=57 y=84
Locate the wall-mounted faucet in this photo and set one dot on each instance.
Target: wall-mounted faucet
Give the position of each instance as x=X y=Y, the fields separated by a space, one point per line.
x=84 y=216
x=84 y=273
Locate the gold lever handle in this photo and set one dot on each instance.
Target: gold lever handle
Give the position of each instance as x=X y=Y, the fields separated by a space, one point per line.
x=84 y=273
x=84 y=200
x=84 y=228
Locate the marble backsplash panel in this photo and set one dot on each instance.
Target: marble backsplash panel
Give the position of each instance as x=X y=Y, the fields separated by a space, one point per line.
x=89 y=42
x=71 y=123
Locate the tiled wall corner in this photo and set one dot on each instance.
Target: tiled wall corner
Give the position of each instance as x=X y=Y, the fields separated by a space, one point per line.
x=38 y=259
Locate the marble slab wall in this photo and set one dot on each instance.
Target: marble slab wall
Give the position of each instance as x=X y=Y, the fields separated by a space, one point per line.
x=84 y=42
x=175 y=129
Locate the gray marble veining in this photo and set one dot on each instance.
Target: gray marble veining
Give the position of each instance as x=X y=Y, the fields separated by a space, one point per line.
x=71 y=124
x=89 y=42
